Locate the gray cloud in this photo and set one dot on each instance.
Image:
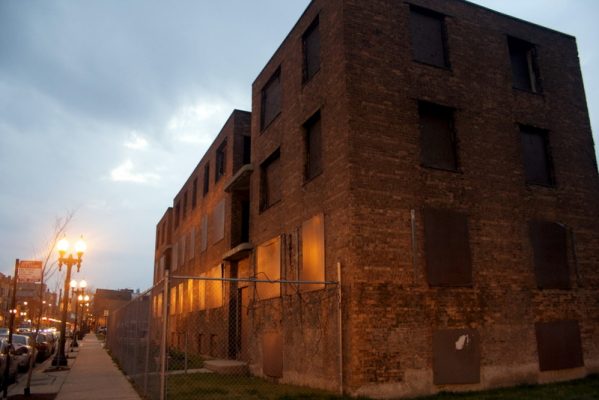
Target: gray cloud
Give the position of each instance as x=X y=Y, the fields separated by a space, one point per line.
x=80 y=79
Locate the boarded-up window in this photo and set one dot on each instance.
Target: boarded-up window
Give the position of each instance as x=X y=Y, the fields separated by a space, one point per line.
x=559 y=345
x=247 y=149
x=194 y=193
x=181 y=255
x=192 y=243
x=272 y=354
x=523 y=58
x=270 y=181
x=313 y=142
x=311 y=47
x=177 y=213
x=180 y=298
x=159 y=305
x=428 y=37
x=221 y=161
x=173 y=301
x=313 y=259
x=202 y=293
x=268 y=266
x=175 y=263
x=447 y=248
x=206 y=178
x=214 y=288
x=538 y=166
x=154 y=306
x=218 y=221
x=184 y=208
x=437 y=137
x=456 y=356
x=204 y=233
x=190 y=296
x=271 y=99
x=550 y=249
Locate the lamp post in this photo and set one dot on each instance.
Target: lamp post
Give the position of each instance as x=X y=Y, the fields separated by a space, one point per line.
x=77 y=295
x=82 y=300
x=60 y=360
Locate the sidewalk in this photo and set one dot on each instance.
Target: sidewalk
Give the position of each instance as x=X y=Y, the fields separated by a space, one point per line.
x=92 y=376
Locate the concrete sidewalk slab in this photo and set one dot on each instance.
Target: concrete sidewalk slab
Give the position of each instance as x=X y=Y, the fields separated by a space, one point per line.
x=95 y=376
x=43 y=381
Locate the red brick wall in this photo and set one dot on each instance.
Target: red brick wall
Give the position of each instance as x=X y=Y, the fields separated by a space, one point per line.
x=390 y=337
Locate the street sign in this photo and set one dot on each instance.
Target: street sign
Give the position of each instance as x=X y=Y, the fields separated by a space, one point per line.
x=30 y=271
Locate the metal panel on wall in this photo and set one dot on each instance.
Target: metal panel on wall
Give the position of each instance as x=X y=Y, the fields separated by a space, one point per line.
x=456 y=356
x=559 y=345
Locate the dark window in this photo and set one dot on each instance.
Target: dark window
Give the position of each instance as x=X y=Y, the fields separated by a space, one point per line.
x=247 y=149
x=456 y=356
x=221 y=161
x=437 y=137
x=313 y=141
x=550 y=249
x=558 y=345
x=270 y=183
x=538 y=166
x=525 y=72
x=245 y=221
x=447 y=248
x=311 y=46
x=271 y=99
x=194 y=193
x=177 y=212
x=428 y=37
x=184 y=204
x=206 y=178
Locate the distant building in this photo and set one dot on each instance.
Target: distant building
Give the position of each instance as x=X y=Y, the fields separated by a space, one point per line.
x=105 y=301
x=5 y=299
x=437 y=153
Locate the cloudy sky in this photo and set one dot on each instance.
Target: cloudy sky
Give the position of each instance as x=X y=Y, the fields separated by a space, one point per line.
x=107 y=106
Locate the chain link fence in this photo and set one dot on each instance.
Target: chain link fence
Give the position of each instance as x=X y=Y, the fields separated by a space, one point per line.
x=221 y=338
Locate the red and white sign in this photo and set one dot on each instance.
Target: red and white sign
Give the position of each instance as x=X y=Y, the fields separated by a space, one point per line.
x=30 y=271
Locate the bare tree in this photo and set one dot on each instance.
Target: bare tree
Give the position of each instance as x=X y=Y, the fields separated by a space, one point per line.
x=48 y=270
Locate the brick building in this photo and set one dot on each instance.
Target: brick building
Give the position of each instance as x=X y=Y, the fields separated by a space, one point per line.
x=105 y=301
x=437 y=153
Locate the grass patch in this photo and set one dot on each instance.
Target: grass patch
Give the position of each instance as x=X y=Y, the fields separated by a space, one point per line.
x=581 y=389
x=218 y=387
x=176 y=360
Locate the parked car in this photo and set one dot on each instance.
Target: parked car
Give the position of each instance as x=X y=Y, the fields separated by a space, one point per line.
x=52 y=339
x=7 y=350
x=23 y=350
x=43 y=345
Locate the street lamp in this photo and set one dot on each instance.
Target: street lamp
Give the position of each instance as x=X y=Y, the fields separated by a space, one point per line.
x=60 y=360
x=81 y=300
x=77 y=295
